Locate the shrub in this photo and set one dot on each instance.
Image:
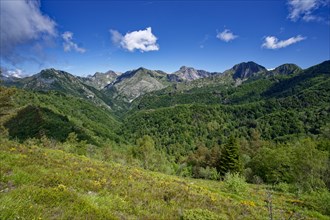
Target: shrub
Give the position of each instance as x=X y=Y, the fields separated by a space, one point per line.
x=320 y=200
x=283 y=187
x=209 y=173
x=235 y=183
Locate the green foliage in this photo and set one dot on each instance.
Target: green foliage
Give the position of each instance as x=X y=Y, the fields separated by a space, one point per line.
x=6 y=104
x=280 y=108
x=91 y=123
x=300 y=164
x=38 y=182
x=309 y=165
x=6 y=100
x=307 y=81
x=204 y=162
x=73 y=145
x=33 y=121
x=319 y=200
x=235 y=183
x=283 y=187
x=273 y=165
x=180 y=129
x=145 y=151
x=151 y=158
x=230 y=161
x=281 y=123
x=63 y=82
x=209 y=173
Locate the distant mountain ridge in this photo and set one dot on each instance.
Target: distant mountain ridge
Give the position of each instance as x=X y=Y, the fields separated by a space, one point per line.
x=100 y=80
x=118 y=90
x=132 y=84
x=286 y=69
x=190 y=74
x=245 y=70
x=57 y=80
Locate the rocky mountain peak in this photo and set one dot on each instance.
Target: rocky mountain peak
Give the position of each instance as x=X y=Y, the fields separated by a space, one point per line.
x=135 y=83
x=286 y=69
x=189 y=74
x=184 y=68
x=247 y=69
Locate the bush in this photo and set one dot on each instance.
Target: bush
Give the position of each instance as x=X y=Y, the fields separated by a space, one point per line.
x=299 y=163
x=320 y=200
x=283 y=187
x=235 y=183
x=209 y=173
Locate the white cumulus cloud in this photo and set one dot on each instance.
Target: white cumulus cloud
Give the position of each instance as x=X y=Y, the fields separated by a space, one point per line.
x=304 y=9
x=143 y=40
x=272 y=42
x=21 y=22
x=226 y=35
x=68 y=43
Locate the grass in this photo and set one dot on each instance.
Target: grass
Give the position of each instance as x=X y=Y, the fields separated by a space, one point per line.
x=42 y=183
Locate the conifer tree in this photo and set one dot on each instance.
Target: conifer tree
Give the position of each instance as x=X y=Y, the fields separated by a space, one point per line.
x=230 y=160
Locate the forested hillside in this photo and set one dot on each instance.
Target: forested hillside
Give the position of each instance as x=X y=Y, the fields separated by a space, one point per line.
x=54 y=115
x=247 y=125
x=266 y=111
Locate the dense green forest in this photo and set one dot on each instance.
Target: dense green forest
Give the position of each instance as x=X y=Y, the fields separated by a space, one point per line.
x=261 y=113
x=267 y=135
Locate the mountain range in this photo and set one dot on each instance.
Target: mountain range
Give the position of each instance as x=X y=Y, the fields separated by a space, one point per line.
x=133 y=93
x=64 y=136
x=117 y=90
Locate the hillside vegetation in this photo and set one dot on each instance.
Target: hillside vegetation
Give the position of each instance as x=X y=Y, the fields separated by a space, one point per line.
x=245 y=144
x=38 y=182
x=37 y=114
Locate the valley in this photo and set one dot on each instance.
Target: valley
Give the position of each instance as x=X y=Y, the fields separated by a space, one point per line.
x=147 y=144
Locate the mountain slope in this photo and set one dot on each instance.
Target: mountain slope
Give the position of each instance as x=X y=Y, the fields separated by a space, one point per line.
x=209 y=90
x=133 y=84
x=189 y=74
x=100 y=80
x=55 y=114
x=287 y=80
x=35 y=122
x=271 y=128
x=277 y=107
x=286 y=69
x=315 y=76
x=37 y=182
x=51 y=79
x=119 y=90
x=245 y=70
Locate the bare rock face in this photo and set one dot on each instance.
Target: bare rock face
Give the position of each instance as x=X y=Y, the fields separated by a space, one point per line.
x=133 y=84
x=190 y=74
x=247 y=69
x=100 y=80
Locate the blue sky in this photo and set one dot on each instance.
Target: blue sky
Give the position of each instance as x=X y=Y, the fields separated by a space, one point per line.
x=82 y=37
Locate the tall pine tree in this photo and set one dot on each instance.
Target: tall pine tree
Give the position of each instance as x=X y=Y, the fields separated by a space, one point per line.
x=230 y=160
